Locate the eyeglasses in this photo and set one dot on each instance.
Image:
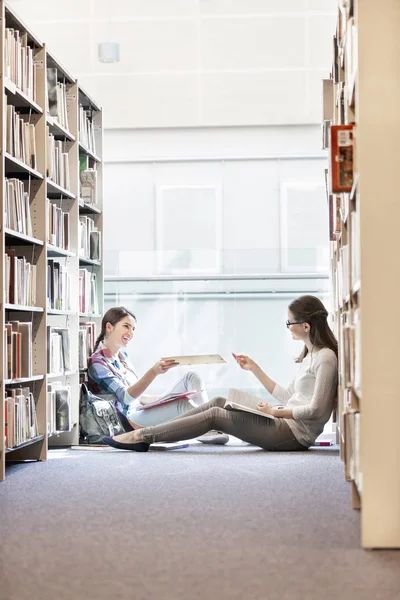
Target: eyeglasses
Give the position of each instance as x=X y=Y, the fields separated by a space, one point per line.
x=289 y=323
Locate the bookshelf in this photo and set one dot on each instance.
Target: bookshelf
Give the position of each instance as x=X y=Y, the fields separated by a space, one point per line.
x=41 y=237
x=362 y=184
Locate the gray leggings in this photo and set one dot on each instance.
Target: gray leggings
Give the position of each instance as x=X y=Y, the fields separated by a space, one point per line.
x=257 y=430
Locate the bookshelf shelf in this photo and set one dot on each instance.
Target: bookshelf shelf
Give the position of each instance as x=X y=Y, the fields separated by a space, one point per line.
x=21 y=308
x=89 y=261
x=362 y=186
x=58 y=130
x=13 y=165
x=38 y=438
x=55 y=190
x=54 y=251
x=87 y=152
x=63 y=374
x=21 y=237
x=67 y=313
x=51 y=100
x=22 y=380
x=86 y=209
x=18 y=98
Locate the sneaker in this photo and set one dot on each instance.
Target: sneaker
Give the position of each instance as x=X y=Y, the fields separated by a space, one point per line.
x=214 y=437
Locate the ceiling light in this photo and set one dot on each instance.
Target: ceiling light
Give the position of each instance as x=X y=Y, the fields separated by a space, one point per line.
x=109 y=52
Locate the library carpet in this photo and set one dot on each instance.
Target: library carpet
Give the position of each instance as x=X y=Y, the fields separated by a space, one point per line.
x=231 y=522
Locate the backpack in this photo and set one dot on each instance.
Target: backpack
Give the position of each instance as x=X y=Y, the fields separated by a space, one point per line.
x=98 y=417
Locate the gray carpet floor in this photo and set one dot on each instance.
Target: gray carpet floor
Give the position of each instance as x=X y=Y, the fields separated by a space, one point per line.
x=230 y=522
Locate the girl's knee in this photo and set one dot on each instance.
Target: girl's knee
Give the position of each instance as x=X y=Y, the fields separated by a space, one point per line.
x=219 y=401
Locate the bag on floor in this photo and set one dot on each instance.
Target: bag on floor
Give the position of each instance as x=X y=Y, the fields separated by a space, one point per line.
x=97 y=418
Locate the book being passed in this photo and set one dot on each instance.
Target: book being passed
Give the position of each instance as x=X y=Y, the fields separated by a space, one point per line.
x=196 y=359
x=238 y=400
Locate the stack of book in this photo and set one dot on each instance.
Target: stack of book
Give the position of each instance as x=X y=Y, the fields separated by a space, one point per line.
x=57 y=161
x=20 y=417
x=20 y=137
x=58 y=286
x=58 y=350
x=57 y=97
x=20 y=280
x=19 y=62
x=86 y=129
x=17 y=207
x=18 y=350
x=58 y=226
x=88 y=302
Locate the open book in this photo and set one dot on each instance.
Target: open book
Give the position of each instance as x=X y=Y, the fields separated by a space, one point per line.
x=167 y=398
x=196 y=359
x=238 y=400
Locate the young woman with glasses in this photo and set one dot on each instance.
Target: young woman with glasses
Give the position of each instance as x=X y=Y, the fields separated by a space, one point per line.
x=308 y=400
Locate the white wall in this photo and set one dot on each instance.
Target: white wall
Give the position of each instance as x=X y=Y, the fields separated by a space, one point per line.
x=191 y=63
x=251 y=167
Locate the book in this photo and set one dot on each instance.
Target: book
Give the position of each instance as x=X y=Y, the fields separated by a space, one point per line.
x=341 y=155
x=163 y=446
x=243 y=401
x=168 y=398
x=196 y=359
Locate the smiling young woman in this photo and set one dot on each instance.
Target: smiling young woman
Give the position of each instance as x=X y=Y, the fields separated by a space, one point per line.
x=111 y=375
x=308 y=400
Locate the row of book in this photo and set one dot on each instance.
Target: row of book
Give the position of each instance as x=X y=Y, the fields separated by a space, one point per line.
x=86 y=129
x=20 y=137
x=58 y=407
x=58 y=226
x=88 y=302
x=19 y=62
x=58 y=286
x=350 y=349
x=87 y=339
x=57 y=161
x=17 y=349
x=20 y=417
x=58 y=350
x=88 y=179
x=17 y=207
x=20 y=280
x=89 y=238
x=352 y=423
x=57 y=97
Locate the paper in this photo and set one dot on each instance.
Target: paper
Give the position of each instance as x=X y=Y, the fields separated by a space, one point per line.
x=196 y=359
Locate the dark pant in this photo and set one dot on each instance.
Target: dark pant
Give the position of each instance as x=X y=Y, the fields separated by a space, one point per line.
x=260 y=431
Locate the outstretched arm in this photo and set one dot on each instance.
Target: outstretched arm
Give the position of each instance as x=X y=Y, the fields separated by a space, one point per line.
x=248 y=364
x=143 y=383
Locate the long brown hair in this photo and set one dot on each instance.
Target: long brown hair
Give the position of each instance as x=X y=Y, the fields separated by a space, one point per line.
x=309 y=309
x=113 y=316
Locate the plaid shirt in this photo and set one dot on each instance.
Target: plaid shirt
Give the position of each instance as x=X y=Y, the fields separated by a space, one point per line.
x=106 y=375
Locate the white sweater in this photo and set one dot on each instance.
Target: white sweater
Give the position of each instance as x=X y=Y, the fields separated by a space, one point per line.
x=311 y=395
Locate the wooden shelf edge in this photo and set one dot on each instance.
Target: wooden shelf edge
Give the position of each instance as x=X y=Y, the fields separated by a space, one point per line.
x=14 y=90
x=22 y=166
x=23 y=380
x=23 y=237
x=22 y=308
x=38 y=438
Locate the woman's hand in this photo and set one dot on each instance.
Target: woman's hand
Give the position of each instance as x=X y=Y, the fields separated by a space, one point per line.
x=162 y=366
x=266 y=407
x=245 y=362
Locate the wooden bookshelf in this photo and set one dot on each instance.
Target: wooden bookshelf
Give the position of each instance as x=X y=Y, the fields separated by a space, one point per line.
x=364 y=91
x=42 y=185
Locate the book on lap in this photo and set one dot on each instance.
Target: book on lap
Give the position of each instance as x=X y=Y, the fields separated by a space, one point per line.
x=243 y=401
x=168 y=398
